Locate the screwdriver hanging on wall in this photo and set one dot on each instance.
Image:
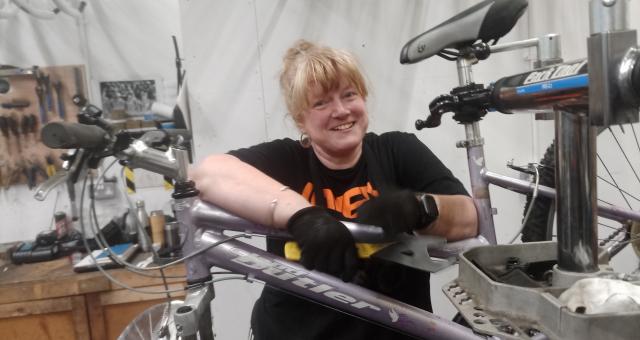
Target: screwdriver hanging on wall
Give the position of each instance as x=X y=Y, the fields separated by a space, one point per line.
x=40 y=92
x=48 y=93
x=57 y=85
x=16 y=104
x=4 y=126
x=13 y=127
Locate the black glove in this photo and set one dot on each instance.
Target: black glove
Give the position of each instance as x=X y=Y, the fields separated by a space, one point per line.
x=396 y=211
x=327 y=244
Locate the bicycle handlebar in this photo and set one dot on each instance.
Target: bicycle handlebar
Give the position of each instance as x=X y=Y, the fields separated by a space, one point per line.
x=65 y=135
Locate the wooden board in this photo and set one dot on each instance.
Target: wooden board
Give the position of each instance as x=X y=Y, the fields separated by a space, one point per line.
x=47 y=300
x=21 y=149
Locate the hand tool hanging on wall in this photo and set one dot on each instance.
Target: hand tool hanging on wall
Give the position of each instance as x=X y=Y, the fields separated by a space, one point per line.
x=4 y=126
x=13 y=127
x=57 y=85
x=40 y=93
x=32 y=171
x=79 y=99
x=29 y=125
x=48 y=93
x=16 y=104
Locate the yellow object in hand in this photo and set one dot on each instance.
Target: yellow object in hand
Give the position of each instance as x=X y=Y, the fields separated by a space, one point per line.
x=365 y=250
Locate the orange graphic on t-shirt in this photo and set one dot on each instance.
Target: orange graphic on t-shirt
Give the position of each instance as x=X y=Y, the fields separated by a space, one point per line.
x=346 y=204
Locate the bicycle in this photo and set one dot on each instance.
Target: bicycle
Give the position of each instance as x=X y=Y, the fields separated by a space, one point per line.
x=202 y=226
x=570 y=91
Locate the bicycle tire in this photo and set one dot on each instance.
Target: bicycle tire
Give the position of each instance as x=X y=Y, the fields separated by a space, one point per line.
x=539 y=225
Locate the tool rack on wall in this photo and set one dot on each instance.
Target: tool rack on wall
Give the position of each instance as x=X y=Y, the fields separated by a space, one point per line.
x=29 y=99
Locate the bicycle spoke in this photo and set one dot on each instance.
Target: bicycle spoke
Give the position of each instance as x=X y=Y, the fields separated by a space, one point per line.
x=608 y=226
x=605 y=202
x=613 y=185
x=624 y=154
x=635 y=136
x=614 y=180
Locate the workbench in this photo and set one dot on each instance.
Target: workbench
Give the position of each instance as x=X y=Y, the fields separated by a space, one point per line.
x=48 y=300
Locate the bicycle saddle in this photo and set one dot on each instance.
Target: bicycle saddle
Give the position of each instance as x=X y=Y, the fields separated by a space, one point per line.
x=486 y=21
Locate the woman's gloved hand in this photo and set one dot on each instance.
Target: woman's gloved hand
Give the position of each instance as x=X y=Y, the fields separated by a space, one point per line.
x=396 y=211
x=327 y=244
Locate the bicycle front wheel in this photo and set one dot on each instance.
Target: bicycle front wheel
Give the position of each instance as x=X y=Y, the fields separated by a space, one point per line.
x=618 y=178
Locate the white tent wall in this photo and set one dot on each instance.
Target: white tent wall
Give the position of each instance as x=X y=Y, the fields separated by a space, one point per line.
x=232 y=52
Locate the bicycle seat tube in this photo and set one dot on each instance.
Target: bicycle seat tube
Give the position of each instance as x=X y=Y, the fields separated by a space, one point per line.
x=476 y=161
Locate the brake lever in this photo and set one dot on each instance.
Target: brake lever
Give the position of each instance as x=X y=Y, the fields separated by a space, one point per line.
x=469 y=103
x=439 y=106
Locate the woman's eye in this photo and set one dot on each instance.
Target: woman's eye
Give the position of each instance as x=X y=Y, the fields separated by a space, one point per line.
x=349 y=94
x=319 y=103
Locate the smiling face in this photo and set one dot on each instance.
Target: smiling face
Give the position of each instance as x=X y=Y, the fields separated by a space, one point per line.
x=336 y=122
x=325 y=93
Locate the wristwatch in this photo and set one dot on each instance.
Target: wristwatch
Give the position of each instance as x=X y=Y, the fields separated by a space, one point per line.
x=430 y=209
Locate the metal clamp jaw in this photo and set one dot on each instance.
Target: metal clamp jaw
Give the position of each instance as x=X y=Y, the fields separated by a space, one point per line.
x=613 y=60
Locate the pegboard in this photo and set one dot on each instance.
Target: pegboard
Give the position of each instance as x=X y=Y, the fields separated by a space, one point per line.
x=35 y=97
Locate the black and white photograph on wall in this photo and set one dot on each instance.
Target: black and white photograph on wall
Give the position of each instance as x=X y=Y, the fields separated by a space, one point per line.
x=127 y=99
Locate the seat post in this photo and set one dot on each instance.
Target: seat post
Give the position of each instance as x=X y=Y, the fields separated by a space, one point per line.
x=475 y=159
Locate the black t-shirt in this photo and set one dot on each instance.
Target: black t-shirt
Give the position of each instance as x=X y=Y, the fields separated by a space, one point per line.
x=392 y=159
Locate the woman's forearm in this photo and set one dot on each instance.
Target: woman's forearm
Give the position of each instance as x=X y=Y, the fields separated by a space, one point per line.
x=243 y=190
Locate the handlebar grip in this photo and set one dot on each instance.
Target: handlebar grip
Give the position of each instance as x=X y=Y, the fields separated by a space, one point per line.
x=65 y=135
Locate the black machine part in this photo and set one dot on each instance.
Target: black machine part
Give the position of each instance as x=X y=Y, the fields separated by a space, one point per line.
x=29 y=252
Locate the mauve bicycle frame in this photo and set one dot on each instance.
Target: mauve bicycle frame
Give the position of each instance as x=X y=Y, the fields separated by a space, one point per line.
x=204 y=223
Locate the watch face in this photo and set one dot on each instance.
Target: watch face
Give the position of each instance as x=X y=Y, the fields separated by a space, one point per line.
x=430 y=208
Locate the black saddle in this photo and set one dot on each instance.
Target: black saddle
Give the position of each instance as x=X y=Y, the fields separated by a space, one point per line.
x=487 y=21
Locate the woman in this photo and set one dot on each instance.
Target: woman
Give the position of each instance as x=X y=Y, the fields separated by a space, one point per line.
x=375 y=179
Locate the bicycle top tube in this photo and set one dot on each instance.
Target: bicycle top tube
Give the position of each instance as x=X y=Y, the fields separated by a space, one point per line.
x=487 y=21
x=208 y=215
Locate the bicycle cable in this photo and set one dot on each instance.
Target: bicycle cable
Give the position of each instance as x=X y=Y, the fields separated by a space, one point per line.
x=534 y=195
x=97 y=231
x=143 y=291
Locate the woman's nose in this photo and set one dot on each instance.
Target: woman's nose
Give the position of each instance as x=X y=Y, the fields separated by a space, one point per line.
x=339 y=108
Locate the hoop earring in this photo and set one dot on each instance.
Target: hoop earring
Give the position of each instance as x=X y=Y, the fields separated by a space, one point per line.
x=305 y=141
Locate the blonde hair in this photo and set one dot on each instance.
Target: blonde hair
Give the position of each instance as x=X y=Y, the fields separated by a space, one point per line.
x=307 y=65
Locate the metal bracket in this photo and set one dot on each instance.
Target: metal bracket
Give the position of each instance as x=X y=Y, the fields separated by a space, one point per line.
x=470 y=143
